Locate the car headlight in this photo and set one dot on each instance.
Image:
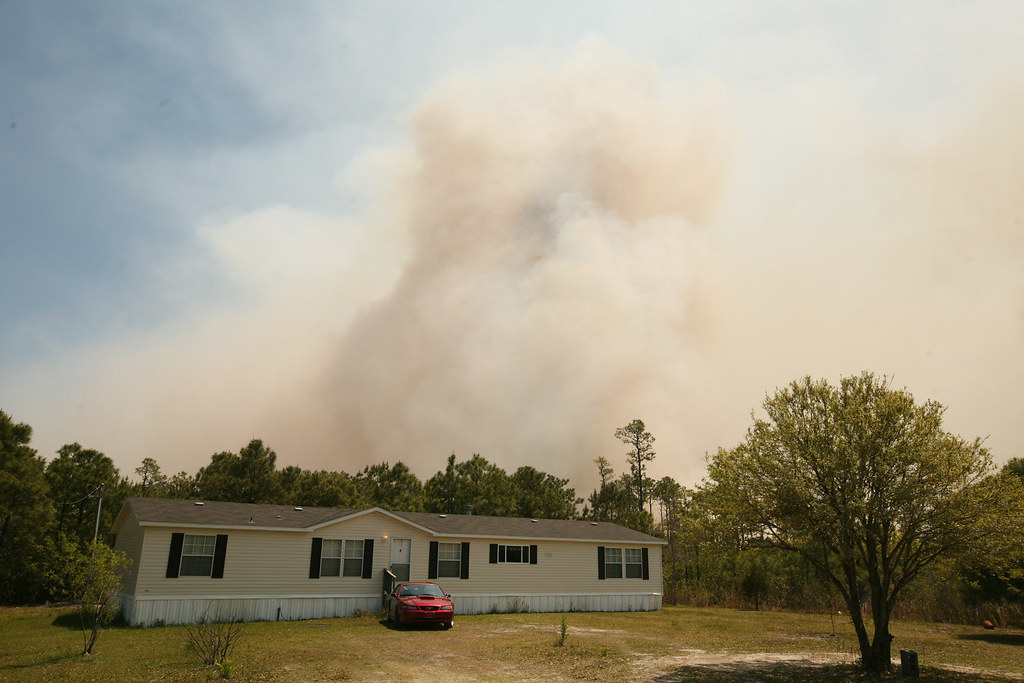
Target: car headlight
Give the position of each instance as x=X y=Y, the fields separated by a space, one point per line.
x=408 y=607
x=447 y=608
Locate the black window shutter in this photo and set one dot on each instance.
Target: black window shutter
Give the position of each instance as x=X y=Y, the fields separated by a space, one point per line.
x=502 y=553
x=533 y=554
x=647 y=568
x=174 y=558
x=368 y=558
x=465 y=560
x=314 y=558
x=219 y=551
x=432 y=561
x=494 y=554
x=600 y=562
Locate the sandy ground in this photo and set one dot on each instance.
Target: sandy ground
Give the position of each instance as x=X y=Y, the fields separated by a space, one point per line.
x=660 y=668
x=652 y=668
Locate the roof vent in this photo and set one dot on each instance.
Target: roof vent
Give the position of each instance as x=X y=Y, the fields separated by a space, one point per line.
x=278 y=516
x=251 y=521
x=534 y=520
x=593 y=524
x=298 y=509
x=199 y=503
x=443 y=516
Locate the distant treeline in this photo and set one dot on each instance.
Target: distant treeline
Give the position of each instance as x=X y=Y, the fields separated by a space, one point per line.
x=47 y=505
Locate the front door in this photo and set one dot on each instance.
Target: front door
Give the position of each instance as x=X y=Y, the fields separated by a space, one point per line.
x=401 y=551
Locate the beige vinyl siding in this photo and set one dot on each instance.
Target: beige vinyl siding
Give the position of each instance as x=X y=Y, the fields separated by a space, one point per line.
x=261 y=562
x=129 y=541
x=562 y=567
x=266 y=574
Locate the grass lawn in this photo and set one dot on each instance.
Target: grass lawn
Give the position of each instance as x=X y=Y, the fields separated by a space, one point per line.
x=674 y=644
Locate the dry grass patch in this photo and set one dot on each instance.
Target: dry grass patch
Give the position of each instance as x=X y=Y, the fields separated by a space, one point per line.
x=669 y=645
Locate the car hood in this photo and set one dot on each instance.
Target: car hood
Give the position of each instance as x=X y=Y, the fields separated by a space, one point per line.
x=420 y=601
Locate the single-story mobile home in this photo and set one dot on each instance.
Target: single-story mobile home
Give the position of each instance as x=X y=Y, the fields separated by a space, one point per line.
x=215 y=560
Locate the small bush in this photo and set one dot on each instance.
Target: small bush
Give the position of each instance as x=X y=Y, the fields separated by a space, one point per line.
x=213 y=641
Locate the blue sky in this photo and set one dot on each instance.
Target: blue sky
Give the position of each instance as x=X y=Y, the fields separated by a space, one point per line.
x=382 y=231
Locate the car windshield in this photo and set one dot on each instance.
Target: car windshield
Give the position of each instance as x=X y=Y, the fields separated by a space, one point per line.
x=423 y=589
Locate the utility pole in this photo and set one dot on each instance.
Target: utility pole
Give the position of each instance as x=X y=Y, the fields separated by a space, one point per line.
x=99 y=506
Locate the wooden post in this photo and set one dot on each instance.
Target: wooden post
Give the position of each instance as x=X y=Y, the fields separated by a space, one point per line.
x=908 y=663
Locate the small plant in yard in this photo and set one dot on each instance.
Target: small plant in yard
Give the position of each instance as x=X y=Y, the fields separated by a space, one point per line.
x=224 y=668
x=213 y=641
x=563 y=632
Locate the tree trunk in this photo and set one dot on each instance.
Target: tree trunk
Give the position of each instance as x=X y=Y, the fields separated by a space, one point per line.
x=3 y=534
x=881 y=645
x=853 y=606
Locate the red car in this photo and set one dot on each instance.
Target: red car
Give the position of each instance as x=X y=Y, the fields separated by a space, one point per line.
x=420 y=602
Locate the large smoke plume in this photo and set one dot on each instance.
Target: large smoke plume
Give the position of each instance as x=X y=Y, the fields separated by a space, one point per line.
x=558 y=280
x=563 y=246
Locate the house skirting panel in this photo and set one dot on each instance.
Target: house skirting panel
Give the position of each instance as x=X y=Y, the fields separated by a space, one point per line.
x=586 y=602
x=155 y=611
x=150 y=611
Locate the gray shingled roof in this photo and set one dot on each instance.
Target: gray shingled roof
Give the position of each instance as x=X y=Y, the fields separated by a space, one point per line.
x=517 y=527
x=163 y=511
x=217 y=513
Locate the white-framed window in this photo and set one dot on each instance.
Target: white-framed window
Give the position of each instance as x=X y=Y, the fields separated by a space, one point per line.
x=514 y=553
x=330 y=557
x=613 y=563
x=449 y=560
x=197 y=555
x=634 y=563
x=353 y=559
x=341 y=558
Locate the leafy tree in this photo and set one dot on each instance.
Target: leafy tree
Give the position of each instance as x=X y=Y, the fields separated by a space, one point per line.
x=152 y=482
x=25 y=511
x=474 y=483
x=542 y=495
x=616 y=502
x=78 y=477
x=181 y=486
x=1014 y=466
x=92 y=579
x=641 y=451
x=320 y=488
x=604 y=469
x=864 y=484
x=441 y=492
x=672 y=500
x=391 y=487
x=113 y=498
x=249 y=477
x=755 y=583
x=997 y=576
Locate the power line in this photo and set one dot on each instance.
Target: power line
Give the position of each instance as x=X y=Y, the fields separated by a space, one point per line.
x=87 y=496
